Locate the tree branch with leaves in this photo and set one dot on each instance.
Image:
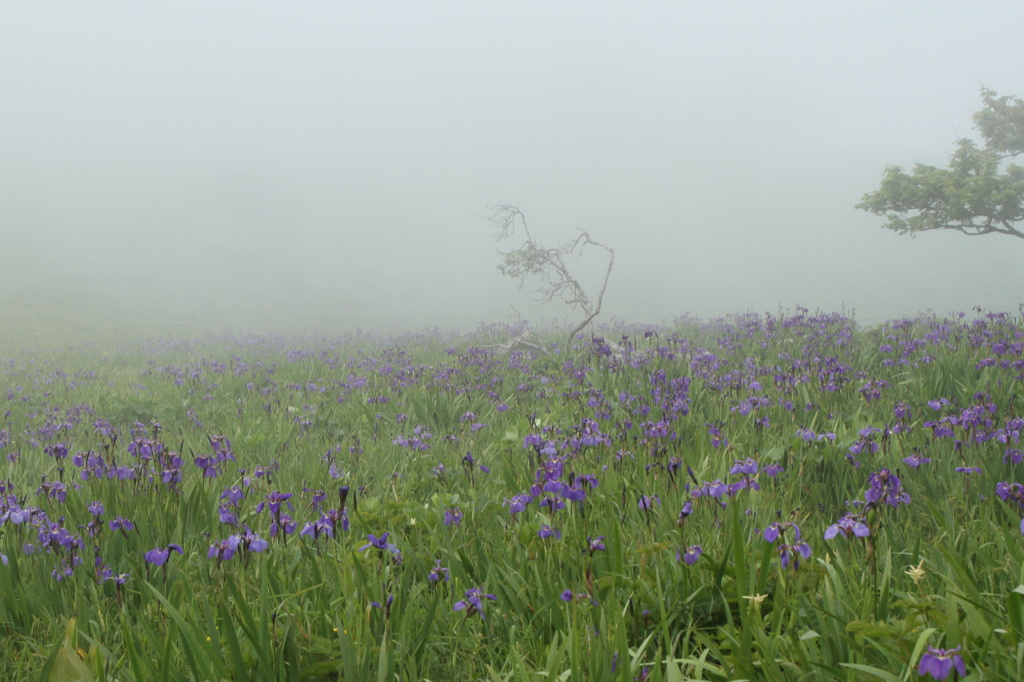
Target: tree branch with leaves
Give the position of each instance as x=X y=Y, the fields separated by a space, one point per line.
x=533 y=261
x=979 y=193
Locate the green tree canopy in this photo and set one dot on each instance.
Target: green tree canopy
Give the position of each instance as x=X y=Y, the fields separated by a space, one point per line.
x=980 y=192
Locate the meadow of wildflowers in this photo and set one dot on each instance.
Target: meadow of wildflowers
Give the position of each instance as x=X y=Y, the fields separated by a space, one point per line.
x=771 y=497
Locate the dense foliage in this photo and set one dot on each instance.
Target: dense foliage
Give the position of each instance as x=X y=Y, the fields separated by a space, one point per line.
x=979 y=193
x=761 y=497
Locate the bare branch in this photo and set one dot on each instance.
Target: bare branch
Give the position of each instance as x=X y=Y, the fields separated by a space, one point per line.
x=522 y=342
x=503 y=217
x=604 y=286
x=531 y=260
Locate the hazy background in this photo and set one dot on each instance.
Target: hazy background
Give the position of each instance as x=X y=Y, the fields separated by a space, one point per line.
x=319 y=166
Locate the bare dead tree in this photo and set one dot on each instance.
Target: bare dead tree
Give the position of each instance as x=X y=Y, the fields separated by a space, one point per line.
x=523 y=342
x=533 y=260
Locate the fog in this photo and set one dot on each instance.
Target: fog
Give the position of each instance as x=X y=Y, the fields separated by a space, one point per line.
x=320 y=166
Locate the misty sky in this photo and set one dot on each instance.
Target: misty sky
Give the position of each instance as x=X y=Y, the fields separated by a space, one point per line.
x=323 y=165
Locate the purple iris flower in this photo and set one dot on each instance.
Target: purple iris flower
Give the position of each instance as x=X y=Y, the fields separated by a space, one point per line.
x=916 y=460
x=1010 y=492
x=251 y=542
x=314 y=529
x=382 y=545
x=717 y=439
x=438 y=573
x=939 y=662
x=225 y=549
x=53 y=490
x=469 y=462
x=273 y=502
x=227 y=515
x=555 y=486
x=774 y=530
x=747 y=467
x=108 y=574
x=233 y=495
x=884 y=485
x=733 y=488
x=716 y=489
x=518 y=503
x=574 y=493
x=208 y=464
x=649 y=502
x=552 y=503
x=792 y=553
x=684 y=513
x=691 y=554
x=453 y=517
x=58 y=451
x=18 y=515
x=547 y=531
x=159 y=555
x=474 y=602
x=849 y=524
x=122 y=524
